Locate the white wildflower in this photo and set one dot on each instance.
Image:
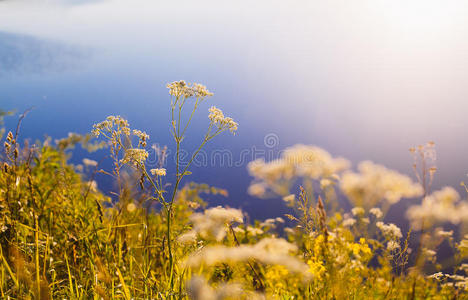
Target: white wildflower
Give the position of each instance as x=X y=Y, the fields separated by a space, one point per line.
x=93 y=186
x=358 y=211
x=439 y=207
x=158 y=172
x=444 y=234
x=375 y=183
x=392 y=246
x=135 y=156
x=142 y=136
x=254 y=231
x=257 y=190
x=116 y=123
x=289 y=199
x=429 y=253
x=90 y=162
x=199 y=289
x=324 y=183
x=270 y=251
x=389 y=230
x=188 y=237
x=212 y=223
x=314 y=162
x=349 y=222
x=217 y=118
x=437 y=276
x=376 y=212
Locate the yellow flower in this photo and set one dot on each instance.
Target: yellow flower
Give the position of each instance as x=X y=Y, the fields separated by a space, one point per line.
x=316 y=268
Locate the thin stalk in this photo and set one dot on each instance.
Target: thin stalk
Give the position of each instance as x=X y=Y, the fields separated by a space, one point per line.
x=36 y=237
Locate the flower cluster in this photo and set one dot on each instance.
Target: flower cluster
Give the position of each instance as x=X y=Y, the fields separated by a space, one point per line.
x=393 y=246
x=375 y=183
x=212 y=223
x=112 y=123
x=269 y=251
x=182 y=89
x=142 y=137
x=390 y=231
x=218 y=119
x=135 y=156
x=314 y=162
x=439 y=207
x=199 y=289
x=89 y=162
x=158 y=172
x=298 y=161
x=377 y=212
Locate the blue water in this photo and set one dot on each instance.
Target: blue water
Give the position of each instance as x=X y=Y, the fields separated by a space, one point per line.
x=359 y=88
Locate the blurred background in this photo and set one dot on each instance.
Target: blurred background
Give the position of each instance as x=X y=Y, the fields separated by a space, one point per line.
x=361 y=79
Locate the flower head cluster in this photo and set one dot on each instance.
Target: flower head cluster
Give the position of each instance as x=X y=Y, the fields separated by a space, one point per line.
x=158 y=172
x=115 y=124
x=217 y=118
x=375 y=183
x=297 y=161
x=135 y=156
x=199 y=289
x=393 y=245
x=314 y=162
x=212 y=223
x=349 y=222
x=459 y=281
x=182 y=89
x=444 y=234
x=142 y=137
x=390 y=231
x=201 y=91
x=89 y=162
x=377 y=212
x=439 y=207
x=358 y=211
x=269 y=251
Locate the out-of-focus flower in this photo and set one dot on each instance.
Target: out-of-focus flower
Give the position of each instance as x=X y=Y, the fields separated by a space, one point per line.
x=439 y=207
x=349 y=222
x=377 y=212
x=375 y=183
x=212 y=223
x=298 y=161
x=269 y=251
x=390 y=230
x=392 y=246
x=89 y=162
x=358 y=211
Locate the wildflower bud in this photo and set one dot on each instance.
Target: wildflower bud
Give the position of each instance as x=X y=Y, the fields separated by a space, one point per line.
x=10 y=136
x=5 y=167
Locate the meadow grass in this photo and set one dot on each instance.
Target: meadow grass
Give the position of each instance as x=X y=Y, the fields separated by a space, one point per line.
x=62 y=238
